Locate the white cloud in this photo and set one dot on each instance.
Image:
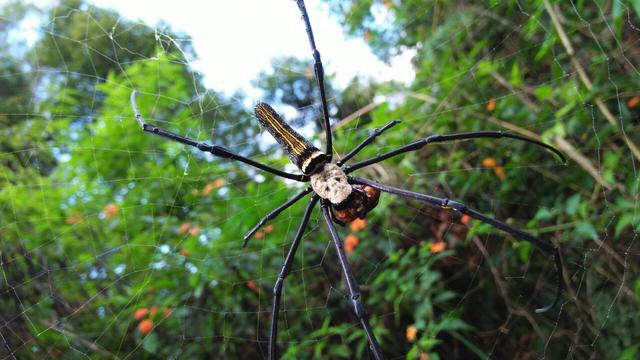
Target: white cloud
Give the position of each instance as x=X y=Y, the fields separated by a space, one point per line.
x=236 y=39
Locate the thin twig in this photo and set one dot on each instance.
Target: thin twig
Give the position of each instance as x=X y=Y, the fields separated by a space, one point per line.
x=582 y=160
x=519 y=94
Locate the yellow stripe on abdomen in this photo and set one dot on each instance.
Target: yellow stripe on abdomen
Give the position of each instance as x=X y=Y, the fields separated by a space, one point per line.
x=303 y=154
x=273 y=122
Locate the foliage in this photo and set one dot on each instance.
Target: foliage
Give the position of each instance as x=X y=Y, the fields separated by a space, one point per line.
x=118 y=244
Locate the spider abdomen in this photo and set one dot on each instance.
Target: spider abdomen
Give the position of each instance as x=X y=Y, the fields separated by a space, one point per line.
x=363 y=199
x=302 y=153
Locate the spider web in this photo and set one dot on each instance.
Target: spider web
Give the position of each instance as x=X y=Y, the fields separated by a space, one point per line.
x=120 y=244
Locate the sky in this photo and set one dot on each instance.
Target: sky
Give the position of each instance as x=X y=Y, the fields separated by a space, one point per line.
x=248 y=33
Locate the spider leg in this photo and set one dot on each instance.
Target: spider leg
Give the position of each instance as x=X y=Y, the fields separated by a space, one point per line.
x=352 y=284
x=543 y=245
x=319 y=70
x=213 y=149
x=275 y=212
x=374 y=134
x=450 y=137
x=284 y=272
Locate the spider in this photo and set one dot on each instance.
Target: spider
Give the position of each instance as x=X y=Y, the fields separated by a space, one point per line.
x=344 y=198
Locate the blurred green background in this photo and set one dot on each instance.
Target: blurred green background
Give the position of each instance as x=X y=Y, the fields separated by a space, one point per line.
x=119 y=244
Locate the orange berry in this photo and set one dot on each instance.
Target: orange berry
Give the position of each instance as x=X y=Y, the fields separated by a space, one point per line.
x=184 y=252
x=110 y=210
x=633 y=102
x=358 y=224
x=167 y=312
x=140 y=313
x=251 y=284
x=367 y=36
x=438 y=246
x=489 y=162
x=268 y=228
x=411 y=333
x=465 y=219
x=218 y=183
x=153 y=310
x=184 y=228
x=491 y=105
x=195 y=230
x=259 y=235
x=74 y=218
x=350 y=243
x=207 y=189
x=145 y=326
x=308 y=72
x=499 y=171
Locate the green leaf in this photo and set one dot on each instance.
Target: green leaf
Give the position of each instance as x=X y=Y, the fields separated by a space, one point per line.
x=151 y=343
x=636 y=7
x=571 y=205
x=515 y=75
x=586 y=230
x=524 y=250
x=544 y=92
x=543 y=214
x=624 y=221
x=630 y=353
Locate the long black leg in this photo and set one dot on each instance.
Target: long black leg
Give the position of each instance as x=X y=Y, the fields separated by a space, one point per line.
x=284 y=271
x=275 y=212
x=451 y=137
x=352 y=284
x=214 y=149
x=543 y=245
x=374 y=134
x=319 y=70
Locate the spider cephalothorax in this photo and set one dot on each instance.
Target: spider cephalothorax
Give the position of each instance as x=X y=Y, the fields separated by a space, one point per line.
x=344 y=198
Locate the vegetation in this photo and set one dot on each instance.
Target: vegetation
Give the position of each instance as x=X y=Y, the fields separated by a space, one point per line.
x=118 y=244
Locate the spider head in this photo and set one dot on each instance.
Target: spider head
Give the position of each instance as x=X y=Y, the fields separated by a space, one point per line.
x=363 y=198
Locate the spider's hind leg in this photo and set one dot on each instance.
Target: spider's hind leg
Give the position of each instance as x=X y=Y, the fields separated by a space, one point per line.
x=284 y=272
x=541 y=244
x=352 y=284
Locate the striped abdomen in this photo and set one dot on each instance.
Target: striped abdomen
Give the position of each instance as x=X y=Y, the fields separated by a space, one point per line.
x=301 y=152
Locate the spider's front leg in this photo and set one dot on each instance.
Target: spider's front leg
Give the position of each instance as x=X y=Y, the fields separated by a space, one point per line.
x=216 y=150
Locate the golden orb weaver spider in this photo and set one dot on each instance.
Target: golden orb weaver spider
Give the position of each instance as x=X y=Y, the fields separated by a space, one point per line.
x=344 y=198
